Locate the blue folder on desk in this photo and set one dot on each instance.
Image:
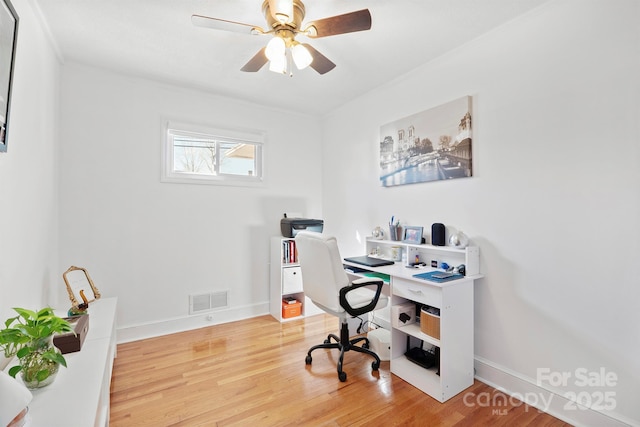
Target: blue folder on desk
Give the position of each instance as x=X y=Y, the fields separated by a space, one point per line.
x=369 y=261
x=439 y=276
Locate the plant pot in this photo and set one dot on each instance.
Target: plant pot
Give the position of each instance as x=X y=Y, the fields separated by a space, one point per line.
x=38 y=370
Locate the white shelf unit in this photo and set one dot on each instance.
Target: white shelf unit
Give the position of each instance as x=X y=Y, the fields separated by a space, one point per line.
x=80 y=394
x=286 y=279
x=455 y=301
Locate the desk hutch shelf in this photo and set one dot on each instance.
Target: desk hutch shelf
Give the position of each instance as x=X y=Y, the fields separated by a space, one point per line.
x=469 y=256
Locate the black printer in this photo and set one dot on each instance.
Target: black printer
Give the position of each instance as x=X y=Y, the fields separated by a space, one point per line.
x=291 y=226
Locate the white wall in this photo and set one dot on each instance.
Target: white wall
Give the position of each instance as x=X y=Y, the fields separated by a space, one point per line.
x=153 y=244
x=28 y=175
x=554 y=204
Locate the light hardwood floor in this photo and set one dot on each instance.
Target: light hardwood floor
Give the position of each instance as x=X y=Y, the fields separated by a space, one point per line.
x=252 y=373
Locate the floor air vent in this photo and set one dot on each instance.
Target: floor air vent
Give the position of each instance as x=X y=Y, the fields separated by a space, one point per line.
x=206 y=302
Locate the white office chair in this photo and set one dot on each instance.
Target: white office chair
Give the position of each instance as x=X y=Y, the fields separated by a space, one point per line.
x=326 y=283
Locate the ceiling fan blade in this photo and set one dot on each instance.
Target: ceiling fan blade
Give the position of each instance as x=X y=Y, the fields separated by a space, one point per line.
x=320 y=63
x=224 y=25
x=257 y=62
x=340 y=24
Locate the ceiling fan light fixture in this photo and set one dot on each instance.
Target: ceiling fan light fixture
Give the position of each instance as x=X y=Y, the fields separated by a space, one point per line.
x=301 y=56
x=282 y=10
x=310 y=31
x=285 y=21
x=278 y=64
x=275 y=48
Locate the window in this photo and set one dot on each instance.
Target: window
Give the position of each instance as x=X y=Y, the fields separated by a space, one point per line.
x=195 y=154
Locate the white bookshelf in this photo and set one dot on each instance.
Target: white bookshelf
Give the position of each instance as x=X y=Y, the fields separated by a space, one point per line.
x=286 y=279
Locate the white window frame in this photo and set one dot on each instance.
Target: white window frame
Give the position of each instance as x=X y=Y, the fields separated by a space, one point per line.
x=169 y=174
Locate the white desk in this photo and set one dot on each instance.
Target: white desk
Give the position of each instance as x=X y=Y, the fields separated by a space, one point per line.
x=455 y=301
x=79 y=396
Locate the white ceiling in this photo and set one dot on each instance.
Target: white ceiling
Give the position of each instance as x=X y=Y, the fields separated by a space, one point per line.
x=155 y=39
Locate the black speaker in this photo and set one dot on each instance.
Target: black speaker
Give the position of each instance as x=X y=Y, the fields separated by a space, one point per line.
x=437 y=234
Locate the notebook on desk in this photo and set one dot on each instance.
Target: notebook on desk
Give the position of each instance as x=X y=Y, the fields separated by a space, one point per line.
x=369 y=261
x=439 y=276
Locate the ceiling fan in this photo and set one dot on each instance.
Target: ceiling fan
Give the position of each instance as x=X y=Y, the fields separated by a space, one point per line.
x=284 y=22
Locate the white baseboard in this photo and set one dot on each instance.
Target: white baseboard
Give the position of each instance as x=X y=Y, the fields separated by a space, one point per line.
x=550 y=401
x=187 y=323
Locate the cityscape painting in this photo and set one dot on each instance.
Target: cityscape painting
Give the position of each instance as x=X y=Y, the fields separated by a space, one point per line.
x=429 y=146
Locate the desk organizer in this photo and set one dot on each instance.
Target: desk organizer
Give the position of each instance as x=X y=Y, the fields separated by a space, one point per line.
x=429 y=323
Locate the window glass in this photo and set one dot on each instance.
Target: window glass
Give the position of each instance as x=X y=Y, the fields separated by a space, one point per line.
x=196 y=154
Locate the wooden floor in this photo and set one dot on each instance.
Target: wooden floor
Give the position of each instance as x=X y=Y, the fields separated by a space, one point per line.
x=252 y=373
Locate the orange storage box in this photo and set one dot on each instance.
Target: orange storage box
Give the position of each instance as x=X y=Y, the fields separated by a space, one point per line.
x=291 y=309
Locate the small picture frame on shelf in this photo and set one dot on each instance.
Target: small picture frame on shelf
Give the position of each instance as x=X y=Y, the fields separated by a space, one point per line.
x=412 y=234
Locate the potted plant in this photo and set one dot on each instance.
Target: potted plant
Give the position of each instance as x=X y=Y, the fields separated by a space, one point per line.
x=29 y=336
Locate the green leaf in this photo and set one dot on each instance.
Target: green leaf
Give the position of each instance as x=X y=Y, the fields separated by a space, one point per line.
x=14 y=370
x=42 y=375
x=47 y=311
x=28 y=315
x=23 y=352
x=10 y=320
x=54 y=356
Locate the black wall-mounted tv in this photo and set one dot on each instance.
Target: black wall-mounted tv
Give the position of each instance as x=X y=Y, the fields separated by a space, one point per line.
x=8 y=38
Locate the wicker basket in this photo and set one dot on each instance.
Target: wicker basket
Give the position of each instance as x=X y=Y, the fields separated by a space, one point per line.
x=430 y=323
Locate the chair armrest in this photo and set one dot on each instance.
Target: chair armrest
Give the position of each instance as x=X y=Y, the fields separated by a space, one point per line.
x=360 y=283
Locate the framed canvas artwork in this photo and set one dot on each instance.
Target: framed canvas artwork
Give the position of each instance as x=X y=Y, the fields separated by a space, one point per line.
x=429 y=146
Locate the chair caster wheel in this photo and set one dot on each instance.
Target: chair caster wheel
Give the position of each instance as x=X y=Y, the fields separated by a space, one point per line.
x=375 y=365
x=307 y=360
x=327 y=341
x=342 y=376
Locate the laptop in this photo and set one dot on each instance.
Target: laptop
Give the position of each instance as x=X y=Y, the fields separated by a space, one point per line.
x=369 y=261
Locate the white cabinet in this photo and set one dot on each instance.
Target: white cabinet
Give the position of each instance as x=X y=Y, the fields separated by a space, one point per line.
x=80 y=394
x=286 y=279
x=454 y=298
x=455 y=346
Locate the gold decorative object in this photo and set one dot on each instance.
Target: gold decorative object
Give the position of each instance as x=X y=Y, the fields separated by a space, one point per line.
x=80 y=288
